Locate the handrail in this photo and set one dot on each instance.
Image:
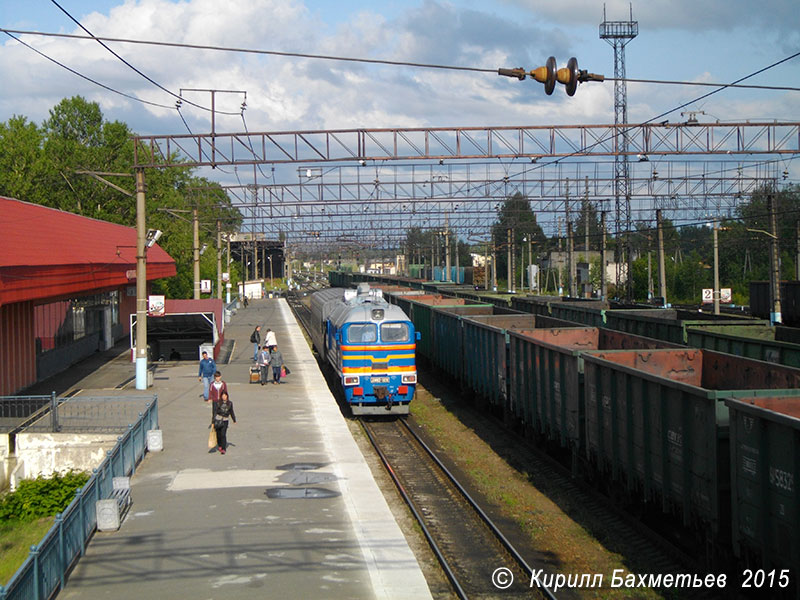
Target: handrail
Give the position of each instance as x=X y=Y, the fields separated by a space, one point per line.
x=45 y=570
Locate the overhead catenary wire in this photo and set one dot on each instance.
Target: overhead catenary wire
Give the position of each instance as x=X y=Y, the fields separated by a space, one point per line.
x=404 y=63
x=375 y=61
x=128 y=64
x=87 y=78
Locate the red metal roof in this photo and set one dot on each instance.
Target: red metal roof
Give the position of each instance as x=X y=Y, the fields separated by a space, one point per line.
x=46 y=252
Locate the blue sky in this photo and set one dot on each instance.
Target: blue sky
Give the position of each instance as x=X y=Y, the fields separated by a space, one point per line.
x=702 y=40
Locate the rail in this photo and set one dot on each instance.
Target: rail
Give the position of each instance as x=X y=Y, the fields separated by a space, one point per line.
x=45 y=570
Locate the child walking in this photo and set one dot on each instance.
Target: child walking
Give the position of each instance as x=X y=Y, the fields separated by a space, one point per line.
x=223 y=410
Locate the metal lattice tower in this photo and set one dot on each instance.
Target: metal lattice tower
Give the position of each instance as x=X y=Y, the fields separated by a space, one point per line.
x=617 y=34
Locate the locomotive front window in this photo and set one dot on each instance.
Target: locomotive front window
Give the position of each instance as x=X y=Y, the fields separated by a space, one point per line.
x=363 y=332
x=395 y=332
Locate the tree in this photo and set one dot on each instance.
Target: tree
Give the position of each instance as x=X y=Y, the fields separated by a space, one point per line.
x=21 y=158
x=515 y=214
x=41 y=164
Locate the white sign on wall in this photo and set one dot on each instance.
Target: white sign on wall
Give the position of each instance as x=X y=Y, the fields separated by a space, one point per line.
x=205 y=286
x=156 y=306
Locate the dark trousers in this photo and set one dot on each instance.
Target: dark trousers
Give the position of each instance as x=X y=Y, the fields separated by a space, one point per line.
x=264 y=375
x=222 y=433
x=276 y=374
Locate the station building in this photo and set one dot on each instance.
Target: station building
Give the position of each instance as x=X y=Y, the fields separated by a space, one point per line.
x=67 y=289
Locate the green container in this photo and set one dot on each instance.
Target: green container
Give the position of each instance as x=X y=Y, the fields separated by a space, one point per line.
x=669 y=324
x=765 y=474
x=657 y=420
x=547 y=375
x=752 y=341
x=485 y=372
x=591 y=313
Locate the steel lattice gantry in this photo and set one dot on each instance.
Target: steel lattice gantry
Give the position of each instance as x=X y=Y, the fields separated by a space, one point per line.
x=365 y=145
x=347 y=198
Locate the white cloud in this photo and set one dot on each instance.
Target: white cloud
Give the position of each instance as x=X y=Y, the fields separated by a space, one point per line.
x=298 y=93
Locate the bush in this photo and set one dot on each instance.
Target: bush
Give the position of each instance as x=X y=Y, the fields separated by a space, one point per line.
x=41 y=497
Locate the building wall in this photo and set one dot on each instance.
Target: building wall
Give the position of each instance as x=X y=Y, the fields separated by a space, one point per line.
x=17 y=347
x=49 y=453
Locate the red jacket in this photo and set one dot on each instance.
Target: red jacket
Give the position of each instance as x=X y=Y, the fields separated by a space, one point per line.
x=215 y=395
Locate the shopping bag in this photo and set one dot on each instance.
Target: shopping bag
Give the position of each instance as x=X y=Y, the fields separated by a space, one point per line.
x=283 y=371
x=212 y=437
x=286 y=370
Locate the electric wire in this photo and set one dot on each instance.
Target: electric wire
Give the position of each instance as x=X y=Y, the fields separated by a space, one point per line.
x=89 y=79
x=398 y=63
x=129 y=65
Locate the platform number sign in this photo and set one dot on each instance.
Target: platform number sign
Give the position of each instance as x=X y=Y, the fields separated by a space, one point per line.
x=725 y=296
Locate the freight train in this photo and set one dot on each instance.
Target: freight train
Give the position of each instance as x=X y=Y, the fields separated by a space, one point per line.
x=710 y=437
x=371 y=345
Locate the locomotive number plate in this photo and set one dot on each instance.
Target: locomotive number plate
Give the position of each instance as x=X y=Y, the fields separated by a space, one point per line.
x=379 y=380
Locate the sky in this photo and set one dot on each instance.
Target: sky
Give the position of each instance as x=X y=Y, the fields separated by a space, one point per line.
x=678 y=40
x=701 y=40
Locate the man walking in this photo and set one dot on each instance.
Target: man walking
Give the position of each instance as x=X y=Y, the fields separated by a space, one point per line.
x=255 y=338
x=207 y=369
x=276 y=362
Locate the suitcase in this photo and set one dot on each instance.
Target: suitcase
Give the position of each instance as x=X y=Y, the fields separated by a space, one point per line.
x=255 y=374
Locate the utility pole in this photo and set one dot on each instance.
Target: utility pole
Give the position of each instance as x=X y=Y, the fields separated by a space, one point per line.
x=228 y=261
x=662 y=276
x=447 y=245
x=196 y=252
x=530 y=263
x=486 y=267
x=494 y=267
x=797 y=255
x=571 y=258
x=603 y=283
x=587 y=293
x=775 y=317
x=219 y=260
x=716 y=267
x=510 y=280
x=141 y=284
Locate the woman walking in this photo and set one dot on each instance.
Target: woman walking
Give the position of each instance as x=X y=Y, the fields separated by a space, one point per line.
x=223 y=410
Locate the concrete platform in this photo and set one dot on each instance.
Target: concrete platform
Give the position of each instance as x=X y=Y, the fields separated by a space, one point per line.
x=291 y=511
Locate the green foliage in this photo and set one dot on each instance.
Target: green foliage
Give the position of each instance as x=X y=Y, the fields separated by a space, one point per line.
x=516 y=214
x=44 y=165
x=41 y=497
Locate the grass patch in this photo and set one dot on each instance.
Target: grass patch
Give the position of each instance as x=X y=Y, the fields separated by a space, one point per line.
x=549 y=528
x=16 y=540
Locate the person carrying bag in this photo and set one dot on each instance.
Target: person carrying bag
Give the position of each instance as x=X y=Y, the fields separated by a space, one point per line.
x=223 y=410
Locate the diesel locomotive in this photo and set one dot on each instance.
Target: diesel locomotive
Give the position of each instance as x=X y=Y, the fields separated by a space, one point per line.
x=370 y=344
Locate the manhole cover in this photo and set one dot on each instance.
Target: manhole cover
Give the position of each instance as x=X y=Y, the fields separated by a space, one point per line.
x=301 y=466
x=306 y=477
x=295 y=493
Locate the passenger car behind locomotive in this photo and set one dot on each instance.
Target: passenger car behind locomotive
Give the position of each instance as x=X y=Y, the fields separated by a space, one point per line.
x=371 y=344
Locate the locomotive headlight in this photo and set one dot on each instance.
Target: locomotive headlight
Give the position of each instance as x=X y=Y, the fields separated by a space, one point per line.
x=409 y=378
x=351 y=379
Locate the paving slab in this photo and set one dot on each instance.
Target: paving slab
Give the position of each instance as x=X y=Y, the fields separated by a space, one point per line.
x=290 y=511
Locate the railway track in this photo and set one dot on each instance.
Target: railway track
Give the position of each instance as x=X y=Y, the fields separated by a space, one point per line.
x=477 y=559
x=463 y=538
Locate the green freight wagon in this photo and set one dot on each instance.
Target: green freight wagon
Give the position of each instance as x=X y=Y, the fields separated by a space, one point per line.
x=753 y=341
x=765 y=473
x=669 y=324
x=657 y=421
x=485 y=372
x=547 y=375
